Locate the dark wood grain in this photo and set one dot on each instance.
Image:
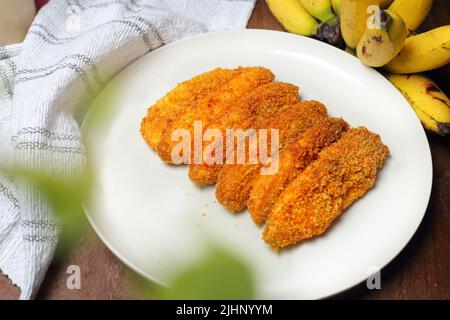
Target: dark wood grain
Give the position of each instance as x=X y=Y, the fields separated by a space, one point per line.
x=421 y=271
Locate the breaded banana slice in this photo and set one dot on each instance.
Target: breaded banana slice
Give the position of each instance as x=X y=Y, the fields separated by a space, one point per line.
x=293 y=160
x=214 y=105
x=235 y=180
x=344 y=172
x=252 y=110
x=183 y=96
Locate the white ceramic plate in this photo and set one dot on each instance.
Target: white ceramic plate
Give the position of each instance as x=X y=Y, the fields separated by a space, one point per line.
x=155 y=220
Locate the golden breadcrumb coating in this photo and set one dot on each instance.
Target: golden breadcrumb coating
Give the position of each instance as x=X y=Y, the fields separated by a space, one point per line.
x=343 y=173
x=212 y=106
x=293 y=160
x=235 y=180
x=253 y=109
x=183 y=96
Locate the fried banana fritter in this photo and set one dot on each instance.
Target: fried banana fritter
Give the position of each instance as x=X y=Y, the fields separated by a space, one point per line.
x=252 y=110
x=343 y=173
x=214 y=105
x=183 y=96
x=321 y=166
x=294 y=158
x=235 y=180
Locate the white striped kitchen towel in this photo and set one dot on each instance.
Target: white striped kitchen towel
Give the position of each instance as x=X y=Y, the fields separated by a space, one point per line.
x=71 y=50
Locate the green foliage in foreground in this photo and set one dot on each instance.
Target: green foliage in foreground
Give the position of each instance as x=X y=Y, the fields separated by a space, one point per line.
x=218 y=275
x=66 y=200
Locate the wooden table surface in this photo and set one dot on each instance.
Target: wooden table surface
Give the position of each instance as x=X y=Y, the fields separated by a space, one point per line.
x=421 y=271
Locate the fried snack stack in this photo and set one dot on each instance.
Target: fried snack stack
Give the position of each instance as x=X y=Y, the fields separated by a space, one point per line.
x=323 y=165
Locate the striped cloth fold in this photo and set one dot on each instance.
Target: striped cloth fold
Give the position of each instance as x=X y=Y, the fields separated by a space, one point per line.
x=72 y=49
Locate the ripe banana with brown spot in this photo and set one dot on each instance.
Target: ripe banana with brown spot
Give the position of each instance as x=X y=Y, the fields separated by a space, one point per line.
x=354 y=17
x=413 y=12
x=380 y=44
x=423 y=52
x=431 y=105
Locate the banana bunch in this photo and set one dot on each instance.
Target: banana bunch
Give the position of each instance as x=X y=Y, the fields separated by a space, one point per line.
x=363 y=19
x=385 y=38
x=313 y=18
x=381 y=34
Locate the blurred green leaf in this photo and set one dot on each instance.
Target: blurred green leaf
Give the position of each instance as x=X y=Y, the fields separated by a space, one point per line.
x=218 y=275
x=66 y=199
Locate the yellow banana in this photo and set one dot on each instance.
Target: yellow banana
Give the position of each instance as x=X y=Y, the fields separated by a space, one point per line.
x=431 y=105
x=379 y=45
x=413 y=12
x=293 y=17
x=426 y=51
x=336 y=6
x=320 y=9
x=354 y=17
